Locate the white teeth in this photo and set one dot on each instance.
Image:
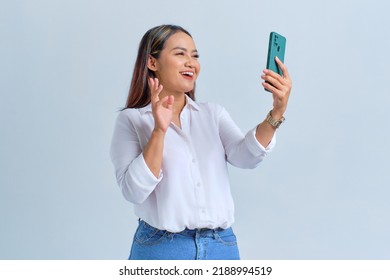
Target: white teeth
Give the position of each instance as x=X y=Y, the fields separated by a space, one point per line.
x=188 y=73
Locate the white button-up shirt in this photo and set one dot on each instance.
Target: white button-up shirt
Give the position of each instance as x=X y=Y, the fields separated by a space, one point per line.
x=193 y=189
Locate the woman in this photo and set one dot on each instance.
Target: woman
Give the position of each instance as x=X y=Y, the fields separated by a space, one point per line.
x=170 y=153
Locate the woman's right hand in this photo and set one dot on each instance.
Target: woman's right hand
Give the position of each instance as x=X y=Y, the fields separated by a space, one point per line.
x=162 y=109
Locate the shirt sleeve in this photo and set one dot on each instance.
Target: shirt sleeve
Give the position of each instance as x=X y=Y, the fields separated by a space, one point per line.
x=134 y=177
x=254 y=145
x=241 y=150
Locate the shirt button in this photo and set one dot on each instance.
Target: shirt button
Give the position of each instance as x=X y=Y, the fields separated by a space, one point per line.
x=193 y=160
x=198 y=185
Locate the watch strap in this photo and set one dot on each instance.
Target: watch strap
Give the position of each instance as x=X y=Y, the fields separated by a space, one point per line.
x=272 y=121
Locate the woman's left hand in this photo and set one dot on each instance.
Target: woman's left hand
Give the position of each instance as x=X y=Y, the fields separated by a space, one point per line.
x=279 y=86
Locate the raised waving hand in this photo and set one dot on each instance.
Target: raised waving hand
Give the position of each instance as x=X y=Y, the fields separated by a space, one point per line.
x=161 y=108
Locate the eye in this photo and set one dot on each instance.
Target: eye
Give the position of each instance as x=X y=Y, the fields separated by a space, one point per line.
x=196 y=55
x=180 y=53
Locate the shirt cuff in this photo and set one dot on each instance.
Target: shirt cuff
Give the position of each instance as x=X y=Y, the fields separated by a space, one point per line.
x=142 y=172
x=255 y=147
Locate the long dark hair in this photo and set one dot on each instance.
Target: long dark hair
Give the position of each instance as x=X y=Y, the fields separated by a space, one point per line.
x=152 y=43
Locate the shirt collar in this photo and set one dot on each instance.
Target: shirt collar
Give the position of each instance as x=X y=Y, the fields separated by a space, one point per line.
x=189 y=103
x=192 y=103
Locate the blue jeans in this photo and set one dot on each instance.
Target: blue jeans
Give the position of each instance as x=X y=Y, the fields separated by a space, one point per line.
x=199 y=244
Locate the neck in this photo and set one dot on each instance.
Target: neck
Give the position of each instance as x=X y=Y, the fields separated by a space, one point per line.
x=179 y=103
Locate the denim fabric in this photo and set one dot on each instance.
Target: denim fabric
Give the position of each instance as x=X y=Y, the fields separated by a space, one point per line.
x=199 y=244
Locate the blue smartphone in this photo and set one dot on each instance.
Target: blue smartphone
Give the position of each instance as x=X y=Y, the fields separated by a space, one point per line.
x=276 y=47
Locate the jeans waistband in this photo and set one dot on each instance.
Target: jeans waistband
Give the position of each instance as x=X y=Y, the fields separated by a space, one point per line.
x=191 y=231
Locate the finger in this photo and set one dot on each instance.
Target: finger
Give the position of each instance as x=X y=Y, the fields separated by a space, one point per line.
x=158 y=86
x=151 y=83
x=282 y=67
x=152 y=86
x=275 y=80
x=269 y=87
x=170 y=101
x=273 y=74
x=166 y=102
x=155 y=89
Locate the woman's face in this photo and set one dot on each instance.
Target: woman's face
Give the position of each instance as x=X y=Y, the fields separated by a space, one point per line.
x=178 y=67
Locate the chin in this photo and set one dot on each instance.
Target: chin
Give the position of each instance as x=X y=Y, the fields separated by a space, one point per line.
x=184 y=87
x=189 y=88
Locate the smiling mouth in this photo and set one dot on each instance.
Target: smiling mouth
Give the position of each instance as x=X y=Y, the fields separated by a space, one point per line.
x=187 y=74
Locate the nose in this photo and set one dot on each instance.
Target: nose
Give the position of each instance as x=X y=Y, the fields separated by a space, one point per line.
x=189 y=62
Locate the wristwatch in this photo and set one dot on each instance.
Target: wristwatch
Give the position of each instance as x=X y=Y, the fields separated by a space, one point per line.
x=272 y=121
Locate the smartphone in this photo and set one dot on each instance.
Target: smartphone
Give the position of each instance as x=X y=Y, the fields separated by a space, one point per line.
x=276 y=47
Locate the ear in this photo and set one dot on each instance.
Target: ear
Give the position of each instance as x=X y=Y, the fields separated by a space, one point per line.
x=152 y=63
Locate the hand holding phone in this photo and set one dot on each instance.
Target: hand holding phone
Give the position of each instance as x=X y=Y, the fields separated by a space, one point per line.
x=276 y=78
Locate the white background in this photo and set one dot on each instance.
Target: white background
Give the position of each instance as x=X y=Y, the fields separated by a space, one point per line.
x=65 y=69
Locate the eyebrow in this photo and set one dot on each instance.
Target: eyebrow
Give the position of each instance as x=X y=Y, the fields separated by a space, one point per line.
x=184 y=49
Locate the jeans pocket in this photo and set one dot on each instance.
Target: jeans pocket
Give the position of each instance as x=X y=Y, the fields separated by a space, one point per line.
x=148 y=235
x=226 y=237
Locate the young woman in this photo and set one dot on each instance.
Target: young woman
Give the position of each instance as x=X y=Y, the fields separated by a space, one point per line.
x=170 y=153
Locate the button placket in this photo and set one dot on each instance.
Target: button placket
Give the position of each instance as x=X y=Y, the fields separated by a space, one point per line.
x=195 y=172
x=196 y=180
